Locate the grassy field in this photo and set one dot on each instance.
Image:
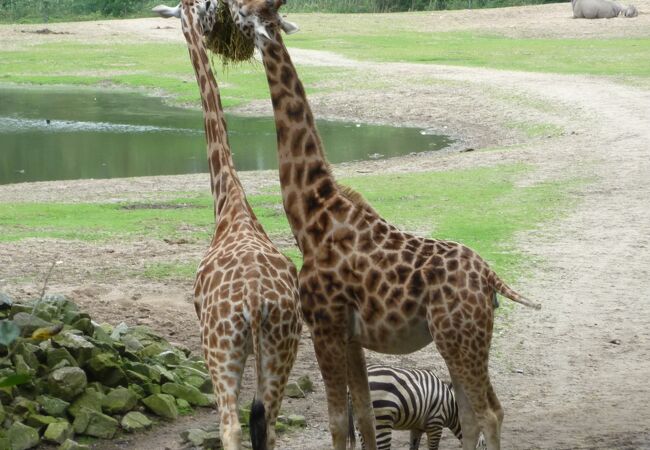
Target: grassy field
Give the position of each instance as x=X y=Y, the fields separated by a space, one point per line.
x=369 y=37
x=482 y=208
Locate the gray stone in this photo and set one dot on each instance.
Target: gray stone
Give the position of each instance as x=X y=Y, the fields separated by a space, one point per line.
x=106 y=367
x=52 y=405
x=135 y=421
x=183 y=406
x=67 y=383
x=29 y=352
x=305 y=384
x=162 y=405
x=118 y=331
x=56 y=355
x=69 y=444
x=78 y=346
x=293 y=391
x=40 y=422
x=22 y=437
x=149 y=372
x=202 y=438
x=21 y=367
x=93 y=423
x=90 y=399
x=28 y=323
x=169 y=358
x=186 y=392
x=23 y=407
x=119 y=401
x=58 y=432
x=296 y=420
x=84 y=325
x=5 y=301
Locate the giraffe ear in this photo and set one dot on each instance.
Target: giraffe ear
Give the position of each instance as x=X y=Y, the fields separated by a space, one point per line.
x=166 y=11
x=260 y=29
x=288 y=27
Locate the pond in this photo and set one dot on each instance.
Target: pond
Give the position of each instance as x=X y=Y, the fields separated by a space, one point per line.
x=65 y=133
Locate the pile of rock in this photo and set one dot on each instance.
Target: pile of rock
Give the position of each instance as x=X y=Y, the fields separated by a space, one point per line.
x=89 y=379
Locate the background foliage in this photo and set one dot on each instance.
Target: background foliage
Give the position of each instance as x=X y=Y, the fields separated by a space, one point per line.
x=62 y=10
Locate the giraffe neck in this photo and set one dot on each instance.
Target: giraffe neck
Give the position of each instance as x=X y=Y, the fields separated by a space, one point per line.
x=228 y=193
x=305 y=177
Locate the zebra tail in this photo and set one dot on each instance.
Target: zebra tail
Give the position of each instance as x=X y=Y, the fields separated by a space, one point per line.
x=510 y=293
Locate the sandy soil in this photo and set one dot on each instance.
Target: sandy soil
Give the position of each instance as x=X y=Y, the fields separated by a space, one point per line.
x=574 y=375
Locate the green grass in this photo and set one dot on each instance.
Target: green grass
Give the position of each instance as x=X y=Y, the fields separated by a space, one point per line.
x=164 y=271
x=483 y=208
x=149 y=66
x=628 y=57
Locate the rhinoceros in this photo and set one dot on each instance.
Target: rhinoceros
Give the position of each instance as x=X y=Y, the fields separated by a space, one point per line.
x=601 y=9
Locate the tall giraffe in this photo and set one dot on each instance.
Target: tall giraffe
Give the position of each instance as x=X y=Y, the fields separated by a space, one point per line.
x=246 y=291
x=364 y=283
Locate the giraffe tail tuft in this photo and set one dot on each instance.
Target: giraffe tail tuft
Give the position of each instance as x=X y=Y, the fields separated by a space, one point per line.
x=510 y=293
x=258 y=425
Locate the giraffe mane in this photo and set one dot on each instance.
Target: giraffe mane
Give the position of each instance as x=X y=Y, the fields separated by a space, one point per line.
x=354 y=197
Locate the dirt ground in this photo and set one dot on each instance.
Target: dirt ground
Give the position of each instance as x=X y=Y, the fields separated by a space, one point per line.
x=573 y=375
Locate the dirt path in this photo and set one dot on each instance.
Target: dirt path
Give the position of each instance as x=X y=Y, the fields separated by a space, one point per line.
x=562 y=381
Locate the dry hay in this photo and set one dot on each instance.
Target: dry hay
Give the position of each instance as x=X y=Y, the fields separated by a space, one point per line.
x=227 y=40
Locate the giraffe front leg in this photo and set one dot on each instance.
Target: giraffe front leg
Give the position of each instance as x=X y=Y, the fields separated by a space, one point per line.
x=331 y=355
x=360 y=393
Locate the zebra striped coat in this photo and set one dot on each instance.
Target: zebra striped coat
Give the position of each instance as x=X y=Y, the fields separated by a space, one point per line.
x=411 y=399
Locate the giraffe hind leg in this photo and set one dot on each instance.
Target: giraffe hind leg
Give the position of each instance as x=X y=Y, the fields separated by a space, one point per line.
x=226 y=366
x=360 y=393
x=277 y=365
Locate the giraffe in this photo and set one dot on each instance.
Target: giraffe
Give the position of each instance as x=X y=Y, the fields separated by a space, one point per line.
x=246 y=291
x=364 y=283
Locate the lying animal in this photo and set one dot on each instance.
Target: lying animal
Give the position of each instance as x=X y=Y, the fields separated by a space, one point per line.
x=601 y=9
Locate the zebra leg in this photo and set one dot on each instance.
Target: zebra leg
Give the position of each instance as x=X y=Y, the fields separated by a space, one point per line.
x=360 y=393
x=384 y=436
x=433 y=436
x=414 y=440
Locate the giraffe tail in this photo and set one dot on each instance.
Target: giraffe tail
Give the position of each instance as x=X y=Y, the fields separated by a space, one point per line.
x=510 y=293
x=257 y=423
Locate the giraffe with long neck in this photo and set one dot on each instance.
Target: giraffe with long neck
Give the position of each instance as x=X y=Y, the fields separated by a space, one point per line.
x=246 y=291
x=364 y=283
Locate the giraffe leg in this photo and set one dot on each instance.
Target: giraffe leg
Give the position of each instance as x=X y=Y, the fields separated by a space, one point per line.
x=495 y=405
x=226 y=363
x=468 y=421
x=474 y=399
x=277 y=366
x=360 y=393
x=330 y=348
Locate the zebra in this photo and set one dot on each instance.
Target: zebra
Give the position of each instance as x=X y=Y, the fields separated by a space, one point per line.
x=410 y=399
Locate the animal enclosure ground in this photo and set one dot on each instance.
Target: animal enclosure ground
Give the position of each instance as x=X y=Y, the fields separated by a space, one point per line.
x=573 y=375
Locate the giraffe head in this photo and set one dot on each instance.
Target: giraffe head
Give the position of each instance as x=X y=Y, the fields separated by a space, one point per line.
x=205 y=9
x=260 y=19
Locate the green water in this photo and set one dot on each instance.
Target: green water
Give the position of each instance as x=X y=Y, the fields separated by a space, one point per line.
x=108 y=134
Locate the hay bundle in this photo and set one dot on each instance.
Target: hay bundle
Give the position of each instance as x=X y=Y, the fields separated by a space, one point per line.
x=226 y=39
